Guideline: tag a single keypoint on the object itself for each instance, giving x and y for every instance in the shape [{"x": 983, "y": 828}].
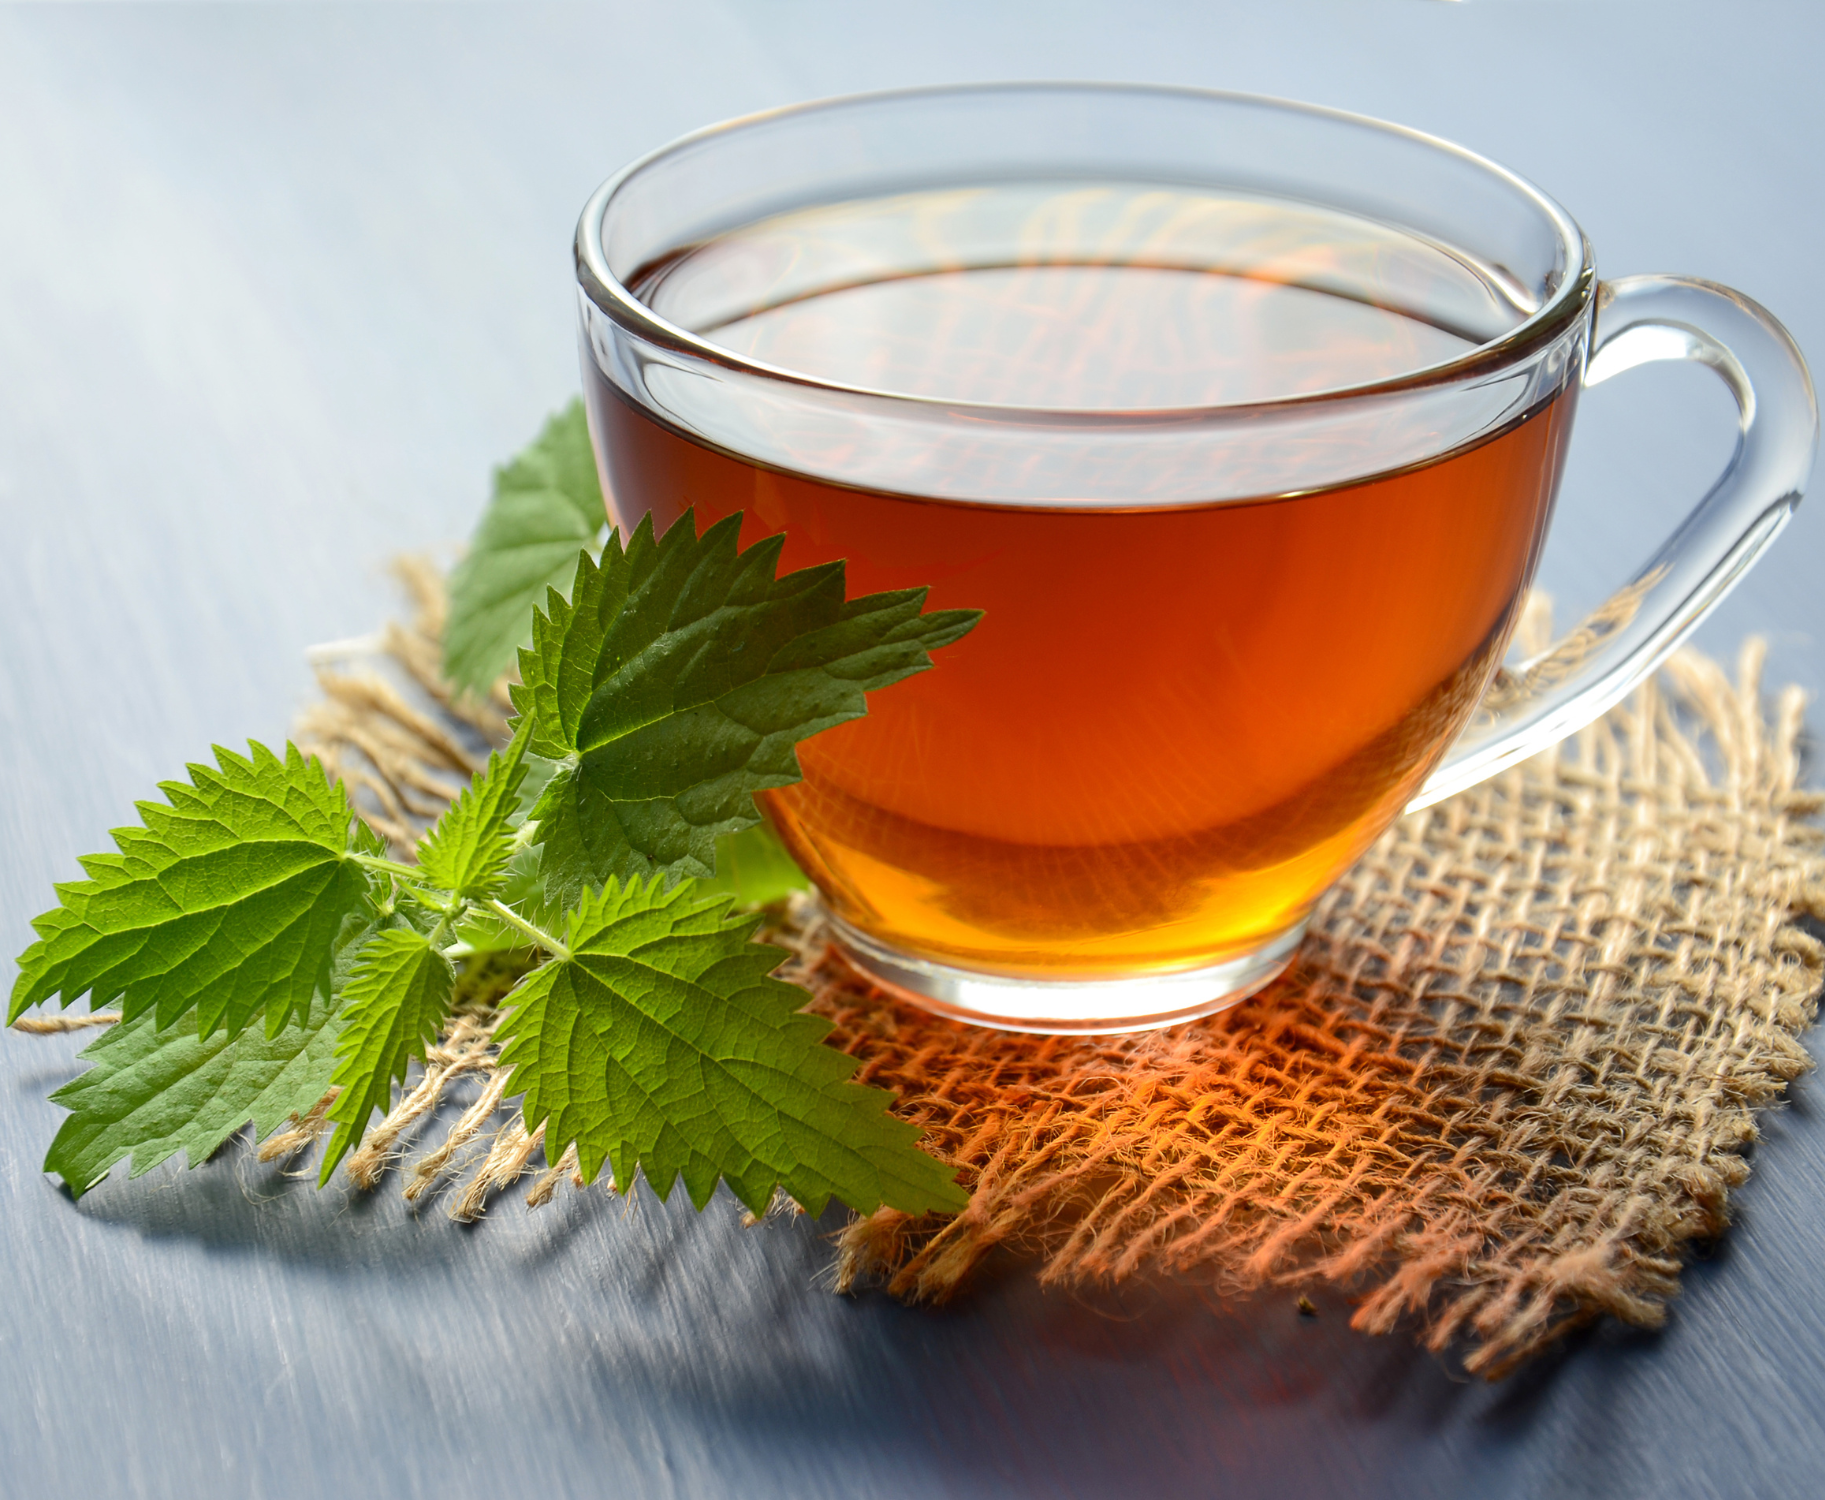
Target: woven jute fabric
[{"x": 1508, "y": 1081}]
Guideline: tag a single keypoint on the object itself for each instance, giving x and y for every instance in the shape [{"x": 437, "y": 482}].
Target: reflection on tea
[{"x": 1176, "y": 724}]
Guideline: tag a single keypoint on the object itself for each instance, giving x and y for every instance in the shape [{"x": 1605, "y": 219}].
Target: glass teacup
[{"x": 1241, "y": 419}]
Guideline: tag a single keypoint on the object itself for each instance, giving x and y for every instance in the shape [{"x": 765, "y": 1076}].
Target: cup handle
[{"x": 1640, "y": 320}]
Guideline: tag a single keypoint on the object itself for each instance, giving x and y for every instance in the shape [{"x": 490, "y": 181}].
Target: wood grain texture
[{"x": 277, "y": 286}]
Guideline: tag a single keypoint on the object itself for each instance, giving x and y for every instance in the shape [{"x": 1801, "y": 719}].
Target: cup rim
[{"x": 612, "y": 297}]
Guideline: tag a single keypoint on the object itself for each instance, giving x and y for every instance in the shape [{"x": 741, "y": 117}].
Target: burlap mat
[{"x": 1512, "y": 1075}]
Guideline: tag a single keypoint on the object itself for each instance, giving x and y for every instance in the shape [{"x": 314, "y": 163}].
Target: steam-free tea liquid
[{"x": 1177, "y": 723}]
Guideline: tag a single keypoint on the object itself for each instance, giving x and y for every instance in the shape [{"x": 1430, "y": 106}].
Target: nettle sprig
[{"x": 267, "y": 952}]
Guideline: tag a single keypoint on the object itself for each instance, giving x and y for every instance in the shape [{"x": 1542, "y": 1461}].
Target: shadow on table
[{"x": 731, "y": 1333}]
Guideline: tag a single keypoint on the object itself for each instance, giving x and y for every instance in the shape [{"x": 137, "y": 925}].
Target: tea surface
[
  {"x": 1092, "y": 297},
  {"x": 1175, "y": 726}
]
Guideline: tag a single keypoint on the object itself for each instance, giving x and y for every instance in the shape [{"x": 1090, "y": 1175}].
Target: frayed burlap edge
[{"x": 1510, "y": 1079}]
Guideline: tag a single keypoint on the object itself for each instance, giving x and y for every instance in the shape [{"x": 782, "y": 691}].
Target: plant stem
[
  {"x": 391, "y": 867},
  {"x": 513, "y": 919}
]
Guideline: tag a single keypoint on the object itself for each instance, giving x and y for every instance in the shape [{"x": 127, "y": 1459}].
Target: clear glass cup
[{"x": 1242, "y": 419}]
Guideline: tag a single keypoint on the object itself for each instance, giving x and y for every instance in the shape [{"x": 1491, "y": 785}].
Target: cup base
[{"x": 1009, "y": 1002}]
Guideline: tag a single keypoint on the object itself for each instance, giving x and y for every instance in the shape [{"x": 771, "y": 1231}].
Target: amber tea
[
  {"x": 1178, "y": 722},
  {"x": 1241, "y": 418}
]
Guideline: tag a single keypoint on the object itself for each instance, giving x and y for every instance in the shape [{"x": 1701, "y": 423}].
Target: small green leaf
[
  {"x": 396, "y": 998},
  {"x": 754, "y": 868},
  {"x": 228, "y": 900},
  {"x": 522, "y": 889},
  {"x": 677, "y": 680},
  {"x": 538, "y": 774},
  {"x": 467, "y": 852},
  {"x": 547, "y": 503},
  {"x": 150, "y": 1094},
  {"x": 663, "y": 1043},
  {"x": 364, "y": 840}
]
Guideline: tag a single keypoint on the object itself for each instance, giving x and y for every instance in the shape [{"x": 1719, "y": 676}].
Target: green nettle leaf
[
  {"x": 547, "y": 503},
  {"x": 467, "y": 852},
  {"x": 396, "y": 998},
  {"x": 227, "y": 900},
  {"x": 677, "y": 680},
  {"x": 521, "y": 887},
  {"x": 754, "y": 867},
  {"x": 150, "y": 1094},
  {"x": 671, "y": 686},
  {"x": 661, "y": 1041}
]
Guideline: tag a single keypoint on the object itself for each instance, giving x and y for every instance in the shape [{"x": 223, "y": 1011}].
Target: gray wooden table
[{"x": 277, "y": 286}]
